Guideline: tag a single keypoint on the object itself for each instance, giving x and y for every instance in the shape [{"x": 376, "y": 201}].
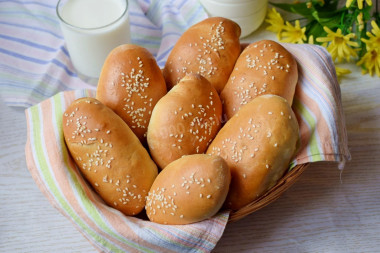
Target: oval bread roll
[
  {"x": 131, "y": 83},
  {"x": 264, "y": 67},
  {"x": 109, "y": 155},
  {"x": 257, "y": 143},
  {"x": 190, "y": 189},
  {"x": 209, "y": 48},
  {"x": 184, "y": 121}
]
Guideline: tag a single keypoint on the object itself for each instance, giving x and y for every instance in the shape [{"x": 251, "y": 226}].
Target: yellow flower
[
  {"x": 293, "y": 34},
  {"x": 276, "y": 22},
  {"x": 311, "y": 39},
  {"x": 348, "y": 3},
  {"x": 339, "y": 45},
  {"x": 360, "y": 21},
  {"x": 341, "y": 72},
  {"x": 360, "y": 3},
  {"x": 371, "y": 62},
  {"x": 374, "y": 37}
]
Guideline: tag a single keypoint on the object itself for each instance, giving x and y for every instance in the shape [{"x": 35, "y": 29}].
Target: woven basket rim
[{"x": 274, "y": 193}]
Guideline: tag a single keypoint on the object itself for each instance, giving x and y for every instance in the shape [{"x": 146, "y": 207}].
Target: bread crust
[
  {"x": 190, "y": 189},
  {"x": 109, "y": 155},
  {"x": 184, "y": 121},
  {"x": 257, "y": 143},
  {"x": 209, "y": 48},
  {"x": 130, "y": 84},
  {"x": 264, "y": 67}
]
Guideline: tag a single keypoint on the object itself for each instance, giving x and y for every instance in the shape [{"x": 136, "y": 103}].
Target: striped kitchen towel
[
  {"x": 319, "y": 112},
  {"x": 318, "y": 106},
  {"x": 35, "y": 64}
]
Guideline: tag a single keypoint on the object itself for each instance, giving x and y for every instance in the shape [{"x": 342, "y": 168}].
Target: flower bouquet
[{"x": 343, "y": 28}]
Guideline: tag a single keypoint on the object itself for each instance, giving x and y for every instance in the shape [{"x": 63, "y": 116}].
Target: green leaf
[
  {"x": 347, "y": 20},
  {"x": 316, "y": 29},
  {"x": 332, "y": 13},
  {"x": 315, "y": 15},
  {"x": 326, "y": 15},
  {"x": 331, "y": 19},
  {"x": 299, "y": 8},
  {"x": 331, "y": 23},
  {"x": 367, "y": 13},
  {"x": 362, "y": 45}
]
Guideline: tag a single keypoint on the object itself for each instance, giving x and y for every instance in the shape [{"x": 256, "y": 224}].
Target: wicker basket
[{"x": 274, "y": 193}]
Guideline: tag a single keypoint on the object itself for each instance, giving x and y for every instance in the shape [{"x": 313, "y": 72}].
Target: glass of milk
[{"x": 92, "y": 28}]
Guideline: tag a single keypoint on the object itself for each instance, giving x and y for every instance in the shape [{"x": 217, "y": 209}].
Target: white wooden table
[{"x": 325, "y": 211}]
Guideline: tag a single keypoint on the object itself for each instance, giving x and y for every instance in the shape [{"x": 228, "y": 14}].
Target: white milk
[{"x": 92, "y": 28}]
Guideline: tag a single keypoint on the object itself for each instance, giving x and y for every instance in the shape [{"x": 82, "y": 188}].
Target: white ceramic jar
[{"x": 249, "y": 14}]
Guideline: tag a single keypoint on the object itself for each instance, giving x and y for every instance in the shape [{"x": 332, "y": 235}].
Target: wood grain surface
[{"x": 325, "y": 211}]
